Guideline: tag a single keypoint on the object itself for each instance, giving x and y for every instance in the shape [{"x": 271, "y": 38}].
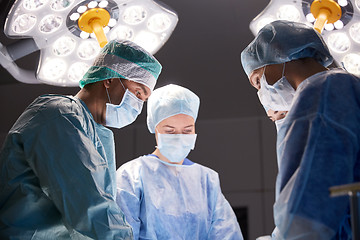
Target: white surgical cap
[
  {"x": 284, "y": 41},
  {"x": 168, "y": 101},
  {"x": 123, "y": 59}
]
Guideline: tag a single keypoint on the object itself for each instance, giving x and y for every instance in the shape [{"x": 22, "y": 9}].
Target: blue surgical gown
[
  {"x": 57, "y": 181},
  {"x": 318, "y": 147},
  {"x": 169, "y": 201}
]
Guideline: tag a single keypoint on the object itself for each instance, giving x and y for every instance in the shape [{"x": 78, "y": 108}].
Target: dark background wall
[{"x": 235, "y": 138}]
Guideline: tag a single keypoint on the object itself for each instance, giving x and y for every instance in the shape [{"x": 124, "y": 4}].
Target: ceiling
[{"x": 202, "y": 54}]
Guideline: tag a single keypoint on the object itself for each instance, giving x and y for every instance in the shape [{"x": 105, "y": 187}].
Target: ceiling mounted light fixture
[
  {"x": 70, "y": 34},
  {"x": 338, "y": 21}
]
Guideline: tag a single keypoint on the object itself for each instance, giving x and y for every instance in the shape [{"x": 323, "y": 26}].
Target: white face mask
[
  {"x": 175, "y": 147},
  {"x": 277, "y": 97},
  {"x": 125, "y": 113}
]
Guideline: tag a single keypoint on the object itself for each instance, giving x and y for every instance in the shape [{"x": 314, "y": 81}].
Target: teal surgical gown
[
  {"x": 57, "y": 178},
  {"x": 318, "y": 147},
  {"x": 169, "y": 201}
]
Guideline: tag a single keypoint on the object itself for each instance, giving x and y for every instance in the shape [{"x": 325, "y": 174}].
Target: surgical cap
[
  {"x": 168, "y": 101},
  {"x": 283, "y": 41},
  {"x": 123, "y": 59}
]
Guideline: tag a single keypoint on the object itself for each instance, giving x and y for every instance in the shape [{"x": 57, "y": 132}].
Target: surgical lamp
[
  {"x": 70, "y": 34},
  {"x": 337, "y": 21}
]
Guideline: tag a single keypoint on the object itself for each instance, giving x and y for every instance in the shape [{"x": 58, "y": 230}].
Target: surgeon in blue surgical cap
[
  {"x": 318, "y": 140},
  {"x": 164, "y": 195},
  {"x": 57, "y": 164}
]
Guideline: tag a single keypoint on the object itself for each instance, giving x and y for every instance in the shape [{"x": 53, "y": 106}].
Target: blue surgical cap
[
  {"x": 168, "y": 101},
  {"x": 123, "y": 59},
  {"x": 284, "y": 41}
]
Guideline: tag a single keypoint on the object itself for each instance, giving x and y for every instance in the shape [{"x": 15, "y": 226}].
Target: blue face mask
[
  {"x": 175, "y": 147},
  {"x": 125, "y": 113}
]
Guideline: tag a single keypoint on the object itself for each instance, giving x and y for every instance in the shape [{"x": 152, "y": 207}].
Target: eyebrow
[{"x": 168, "y": 126}]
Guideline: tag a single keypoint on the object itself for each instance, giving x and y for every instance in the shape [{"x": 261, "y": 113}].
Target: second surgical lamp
[{"x": 338, "y": 21}]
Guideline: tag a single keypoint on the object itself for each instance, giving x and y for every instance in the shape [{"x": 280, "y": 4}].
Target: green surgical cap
[
  {"x": 123, "y": 59},
  {"x": 284, "y": 41}
]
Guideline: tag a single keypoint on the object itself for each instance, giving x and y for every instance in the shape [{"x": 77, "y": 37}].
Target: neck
[
  {"x": 163, "y": 158},
  {"x": 298, "y": 70},
  {"x": 95, "y": 99}
]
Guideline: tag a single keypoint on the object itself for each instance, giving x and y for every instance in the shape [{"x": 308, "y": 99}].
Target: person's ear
[{"x": 107, "y": 83}]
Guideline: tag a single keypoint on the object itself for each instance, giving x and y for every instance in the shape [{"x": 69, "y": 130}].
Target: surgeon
[
  {"x": 57, "y": 164},
  {"x": 164, "y": 195},
  {"x": 318, "y": 140}
]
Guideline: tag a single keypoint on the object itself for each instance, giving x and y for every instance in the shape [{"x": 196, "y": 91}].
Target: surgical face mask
[
  {"x": 278, "y": 96},
  {"x": 176, "y": 147},
  {"x": 125, "y": 113}
]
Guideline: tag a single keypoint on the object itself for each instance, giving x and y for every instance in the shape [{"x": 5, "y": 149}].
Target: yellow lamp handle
[
  {"x": 322, "y": 19},
  {"x": 96, "y": 26},
  {"x": 93, "y": 21},
  {"x": 325, "y": 11}
]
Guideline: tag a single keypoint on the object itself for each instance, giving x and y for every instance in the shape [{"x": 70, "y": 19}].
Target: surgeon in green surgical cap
[{"x": 57, "y": 164}]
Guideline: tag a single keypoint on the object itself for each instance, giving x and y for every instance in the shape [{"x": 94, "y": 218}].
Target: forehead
[{"x": 177, "y": 121}]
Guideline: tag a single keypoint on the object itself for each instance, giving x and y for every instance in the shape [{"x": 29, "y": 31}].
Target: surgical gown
[
  {"x": 318, "y": 147},
  {"x": 169, "y": 201},
  {"x": 57, "y": 181}
]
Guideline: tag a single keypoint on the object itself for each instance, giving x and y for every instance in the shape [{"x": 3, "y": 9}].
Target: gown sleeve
[
  {"x": 304, "y": 207},
  {"x": 76, "y": 178},
  {"x": 224, "y": 223},
  {"x": 317, "y": 150},
  {"x": 129, "y": 192}
]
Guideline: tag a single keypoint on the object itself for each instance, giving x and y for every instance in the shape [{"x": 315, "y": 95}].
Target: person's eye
[
  {"x": 187, "y": 131},
  {"x": 168, "y": 130}
]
